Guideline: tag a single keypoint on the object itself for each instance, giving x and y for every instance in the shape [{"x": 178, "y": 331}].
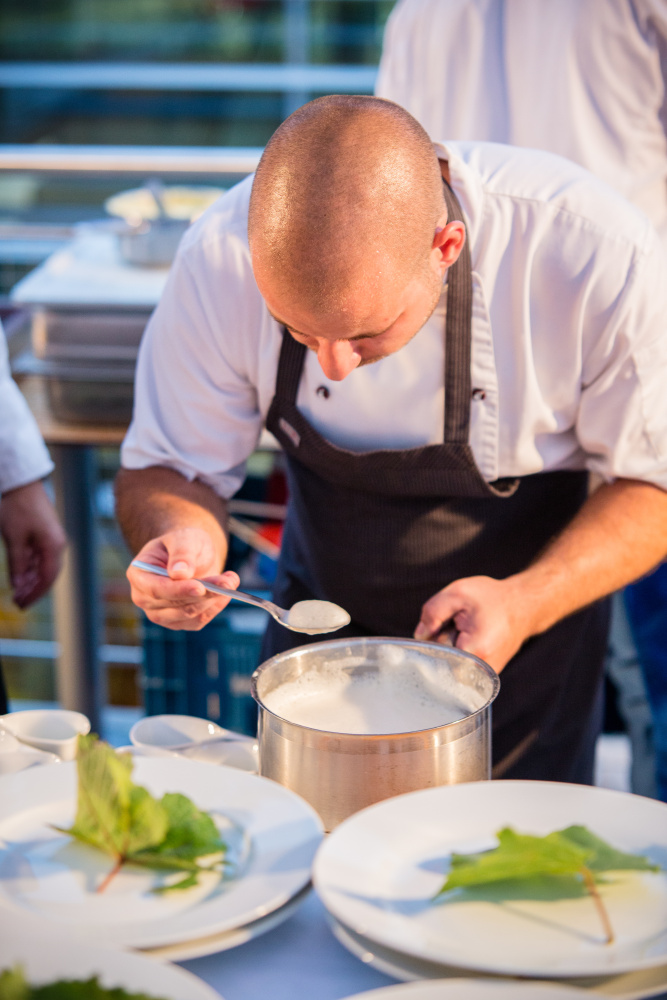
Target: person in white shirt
[
  {"x": 582, "y": 78},
  {"x": 433, "y": 478},
  {"x": 29, "y": 526}
]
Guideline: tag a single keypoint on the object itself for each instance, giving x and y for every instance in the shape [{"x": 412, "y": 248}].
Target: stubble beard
[{"x": 435, "y": 298}]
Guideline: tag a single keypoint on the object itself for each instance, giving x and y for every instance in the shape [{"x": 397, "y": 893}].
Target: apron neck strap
[
  {"x": 458, "y": 332},
  {"x": 290, "y": 366},
  {"x": 458, "y": 339}
]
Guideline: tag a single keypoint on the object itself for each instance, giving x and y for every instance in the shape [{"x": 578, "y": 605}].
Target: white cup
[
  {"x": 55, "y": 730},
  {"x": 159, "y": 734},
  {"x": 16, "y": 756}
]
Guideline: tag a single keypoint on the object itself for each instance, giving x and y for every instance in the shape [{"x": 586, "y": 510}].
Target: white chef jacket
[
  {"x": 23, "y": 454},
  {"x": 569, "y": 354},
  {"x": 581, "y": 78}
]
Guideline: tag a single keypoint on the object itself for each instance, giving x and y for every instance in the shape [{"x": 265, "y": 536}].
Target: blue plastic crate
[{"x": 205, "y": 673}]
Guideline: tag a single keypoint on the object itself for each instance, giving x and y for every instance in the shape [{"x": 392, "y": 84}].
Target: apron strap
[
  {"x": 458, "y": 342},
  {"x": 290, "y": 366}
]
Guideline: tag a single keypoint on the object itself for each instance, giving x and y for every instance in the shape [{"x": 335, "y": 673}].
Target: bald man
[{"x": 445, "y": 340}]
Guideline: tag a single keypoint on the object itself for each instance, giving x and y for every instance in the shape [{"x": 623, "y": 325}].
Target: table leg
[{"x": 76, "y": 601}]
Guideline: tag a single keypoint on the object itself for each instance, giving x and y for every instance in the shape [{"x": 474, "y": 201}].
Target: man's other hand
[
  {"x": 34, "y": 539},
  {"x": 485, "y": 614},
  {"x": 619, "y": 534},
  {"x": 180, "y": 602}
]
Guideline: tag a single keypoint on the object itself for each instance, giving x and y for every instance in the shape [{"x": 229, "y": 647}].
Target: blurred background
[
  {"x": 75, "y": 74},
  {"x": 85, "y": 84},
  {"x": 187, "y": 73}
]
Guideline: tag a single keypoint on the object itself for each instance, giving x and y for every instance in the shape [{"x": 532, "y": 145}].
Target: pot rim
[{"x": 421, "y": 645}]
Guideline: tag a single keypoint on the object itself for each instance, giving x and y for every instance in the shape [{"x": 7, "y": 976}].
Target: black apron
[{"x": 381, "y": 532}]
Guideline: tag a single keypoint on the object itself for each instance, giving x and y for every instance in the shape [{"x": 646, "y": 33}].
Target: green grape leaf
[
  {"x": 112, "y": 813},
  {"x": 517, "y": 856},
  {"x": 15, "y": 986},
  {"x": 566, "y": 860},
  {"x": 90, "y": 989},
  {"x": 191, "y": 833},
  {"x": 604, "y": 857},
  {"x": 185, "y": 883},
  {"x": 125, "y": 821}
]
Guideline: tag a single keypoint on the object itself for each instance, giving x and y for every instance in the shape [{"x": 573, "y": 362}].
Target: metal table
[
  {"x": 300, "y": 958},
  {"x": 77, "y": 614},
  {"x": 89, "y": 277},
  {"x": 303, "y": 958}
]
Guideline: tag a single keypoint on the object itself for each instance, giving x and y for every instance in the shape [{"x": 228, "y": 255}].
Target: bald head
[{"x": 344, "y": 203}]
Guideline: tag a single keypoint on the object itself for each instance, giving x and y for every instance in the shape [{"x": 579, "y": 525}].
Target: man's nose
[{"x": 337, "y": 358}]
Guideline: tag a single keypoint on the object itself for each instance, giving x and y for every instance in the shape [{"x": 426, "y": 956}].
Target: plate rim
[
  {"x": 125, "y": 935},
  {"x": 228, "y": 940},
  {"x": 388, "y": 939},
  {"x": 347, "y": 938},
  {"x": 412, "y": 988},
  {"x": 79, "y": 962}
]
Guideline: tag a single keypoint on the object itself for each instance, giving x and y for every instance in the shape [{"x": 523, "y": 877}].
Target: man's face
[
  {"x": 343, "y": 343},
  {"x": 367, "y": 328}
]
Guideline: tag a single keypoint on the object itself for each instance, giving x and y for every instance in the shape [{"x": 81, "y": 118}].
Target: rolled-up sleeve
[{"x": 23, "y": 455}]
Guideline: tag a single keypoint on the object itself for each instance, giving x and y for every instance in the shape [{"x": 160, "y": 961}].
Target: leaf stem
[
  {"x": 112, "y": 874},
  {"x": 599, "y": 905}
]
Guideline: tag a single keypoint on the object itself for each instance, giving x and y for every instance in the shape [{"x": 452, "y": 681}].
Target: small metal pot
[
  {"x": 340, "y": 773},
  {"x": 153, "y": 243}
]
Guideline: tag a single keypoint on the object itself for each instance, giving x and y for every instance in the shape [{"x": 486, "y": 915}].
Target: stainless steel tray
[
  {"x": 84, "y": 391},
  {"x": 70, "y": 333}
]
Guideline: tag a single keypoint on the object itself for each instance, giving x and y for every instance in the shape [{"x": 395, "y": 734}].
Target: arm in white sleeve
[
  {"x": 23, "y": 454},
  {"x": 622, "y": 420},
  {"x": 29, "y": 527},
  {"x": 196, "y": 408}
]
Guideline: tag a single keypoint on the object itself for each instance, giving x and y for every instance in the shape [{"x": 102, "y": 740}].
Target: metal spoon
[
  {"x": 156, "y": 189},
  {"x": 311, "y": 617},
  {"x": 197, "y": 744}
]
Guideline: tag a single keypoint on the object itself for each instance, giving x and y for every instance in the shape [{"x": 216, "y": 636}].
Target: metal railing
[
  {"x": 30, "y": 242},
  {"x": 48, "y": 649},
  {"x": 130, "y": 159},
  {"x": 281, "y": 77}
]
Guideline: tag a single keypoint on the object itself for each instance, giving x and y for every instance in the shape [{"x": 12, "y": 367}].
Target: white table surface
[
  {"x": 299, "y": 959},
  {"x": 89, "y": 272},
  {"x": 89, "y": 276}
]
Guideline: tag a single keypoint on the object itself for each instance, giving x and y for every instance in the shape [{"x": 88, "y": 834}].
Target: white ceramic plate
[
  {"x": 16, "y": 756},
  {"x": 626, "y": 986},
  {"x": 47, "y": 873},
  {"x": 379, "y": 871},
  {"x": 214, "y": 943},
  {"x": 158, "y": 734},
  {"x": 472, "y": 989},
  {"x": 47, "y": 954},
  {"x": 54, "y": 730}
]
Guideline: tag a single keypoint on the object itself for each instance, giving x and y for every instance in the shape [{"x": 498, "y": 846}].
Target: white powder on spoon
[{"x": 320, "y": 616}]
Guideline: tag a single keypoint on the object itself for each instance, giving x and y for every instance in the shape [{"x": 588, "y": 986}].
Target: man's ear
[{"x": 448, "y": 243}]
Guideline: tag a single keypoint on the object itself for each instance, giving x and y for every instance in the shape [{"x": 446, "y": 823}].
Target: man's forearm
[
  {"x": 151, "y": 502},
  {"x": 618, "y": 535}
]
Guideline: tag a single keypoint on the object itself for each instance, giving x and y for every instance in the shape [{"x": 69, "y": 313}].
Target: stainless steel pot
[
  {"x": 340, "y": 773},
  {"x": 153, "y": 243}
]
